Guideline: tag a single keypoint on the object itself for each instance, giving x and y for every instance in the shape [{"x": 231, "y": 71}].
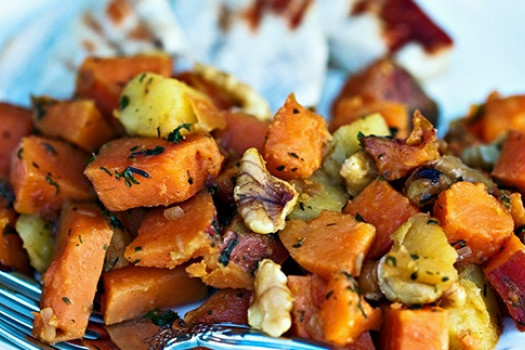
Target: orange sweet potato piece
[
  {"x": 45, "y": 173},
  {"x": 133, "y": 291},
  {"x": 332, "y": 234},
  {"x": 350, "y": 109},
  {"x": 510, "y": 167},
  {"x": 295, "y": 141},
  {"x": 234, "y": 263},
  {"x": 102, "y": 79},
  {"x": 308, "y": 294},
  {"x": 473, "y": 219},
  {"x": 517, "y": 210},
  {"x": 396, "y": 158},
  {"x": 242, "y": 131},
  {"x": 71, "y": 281},
  {"x": 345, "y": 314},
  {"x": 78, "y": 122},
  {"x": 12, "y": 253},
  {"x": 15, "y": 123},
  {"x": 226, "y": 305},
  {"x": 497, "y": 116},
  {"x": 404, "y": 329},
  {"x": 134, "y": 172},
  {"x": 169, "y": 237},
  {"x": 506, "y": 274},
  {"x": 384, "y": 80},
  {"x": 382, "y": 206}
]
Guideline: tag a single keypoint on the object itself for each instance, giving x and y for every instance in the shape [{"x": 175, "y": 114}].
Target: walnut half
[{"x": 263, "y": 201}]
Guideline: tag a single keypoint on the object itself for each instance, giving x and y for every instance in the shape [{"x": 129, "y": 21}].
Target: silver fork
[{"x": 20, "y": 295}]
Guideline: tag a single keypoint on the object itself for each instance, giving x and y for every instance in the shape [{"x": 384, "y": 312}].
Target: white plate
[{"x": 489, "y": 54}]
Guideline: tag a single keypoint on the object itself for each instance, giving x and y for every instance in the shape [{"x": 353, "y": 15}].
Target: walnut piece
[
  {"x": 271, "y": 301},
  {"x": 263, "y": 201}
]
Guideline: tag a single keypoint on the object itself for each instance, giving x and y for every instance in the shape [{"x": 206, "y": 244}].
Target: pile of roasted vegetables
[{"x": 146, "y": 188}]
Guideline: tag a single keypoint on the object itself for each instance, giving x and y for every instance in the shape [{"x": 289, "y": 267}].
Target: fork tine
[
  {"x": 21, "y": 283},
  {"x": 24, "y": 325},
  {"x": 24, "y": 306},
  {"x": 15, "y": 337}
]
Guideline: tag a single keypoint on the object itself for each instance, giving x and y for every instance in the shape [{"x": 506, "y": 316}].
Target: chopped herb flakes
[
  {"x": 299, "y": 243},
  {"x": 505, "y": 199},
  {"x": 50, "y": 181},
  {"x": 434, "y": 222},
  {"x": 66, "y": 300},
  {"x": 359, "y": 218},
  {"x": 163, "y": 318},
  {"x": 147, "y": 152},
  {"x": 175, "y": 136},
  {"x": 138, "y": 249},
  {"x": 19, "y": 153},
  {"x": 280, "y": 168},
  {"x": 49, "y": 148},
  {"x": 413, "y": 276},
  {"x": 226, "y": 253},
  {"x": 104, "y": 169},
  {"x": 124, "y": 102},
  {"x": 329, "y": 294},
  {"x": 128, "y": 175},
  {"x": 391, "y": 261}
]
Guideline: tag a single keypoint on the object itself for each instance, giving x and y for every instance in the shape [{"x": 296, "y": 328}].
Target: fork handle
[{"x": 240, "y": 338}]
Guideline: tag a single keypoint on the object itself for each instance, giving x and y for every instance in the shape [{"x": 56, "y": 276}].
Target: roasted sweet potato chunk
[
  {"x": 102, "y": 79},
  {"x": 345, "y": 314},
  {"x": 351, "y": 109},
  {"x": 239, "y": 253},
  {"x": 133, "y": 291},
  {"x": 496, "y": 116},
  {"x": 226, "y": 305},
  {"x": 510, "y": 167},
  {"x": 12, "y": 254},
  {"x": 45, "y": 173},
  {"x": 71, "y": 281},
  {"x": 78, "y": 122},
  {"x": 15, "y": 123},
  {"x": 383, "y": 80},
  {"x": 242, "y": 131},
  {"x": 425, "y": 328},
  {"x": 171, "y": 236},
  {"x": 395, "y": 158},
  {"x": 295, "y": 141},
  {"x": 382, "y": 206},
  {"x": 473, "y": 221},
  {"x": 506, "y": 274},
  {"x": 134, "y": 172},
  {"x": 329, "y": 243}
]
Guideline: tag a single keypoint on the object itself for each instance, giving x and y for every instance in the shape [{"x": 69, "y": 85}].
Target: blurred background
[{"x": 303, "y": 46}]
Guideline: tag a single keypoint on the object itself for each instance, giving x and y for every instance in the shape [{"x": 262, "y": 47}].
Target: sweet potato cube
[
  {"x": 510, "y": 167},
  {"x": 102, "y": 79},
  {"x": 506, "y": 274},
  {"x": 242, "y": 131},
  {"x": 395, "y": 158},
  {"x": 473, "y": 218},
  {"x": 295, "y": 141},
  {"x": 145, "y": 172},
  {"x": 169, "y": 237},
  {"x": 133, "y": 291},
  {"x": 382, "y": 206},
  {"x": 12, "y": 253},
  {"x": 497, "y": 116},
  {"x": 15, "y": 123},
  {"x": 425, "y": 328},
  {"x": 45, "y": 173},
  {"x": 234, "y": 263},
  {"x": 384, "y": 80},
  {"x": 71, "y": 281},
  {"x": 78, "y": 122},
  {"x": 226, "y": 305},
  {"x": 345, "y": 314},
  {"x": 308, "y": 294},
  {"x": 329, "y": 243},
  {"x": 351, "y": 109}
]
